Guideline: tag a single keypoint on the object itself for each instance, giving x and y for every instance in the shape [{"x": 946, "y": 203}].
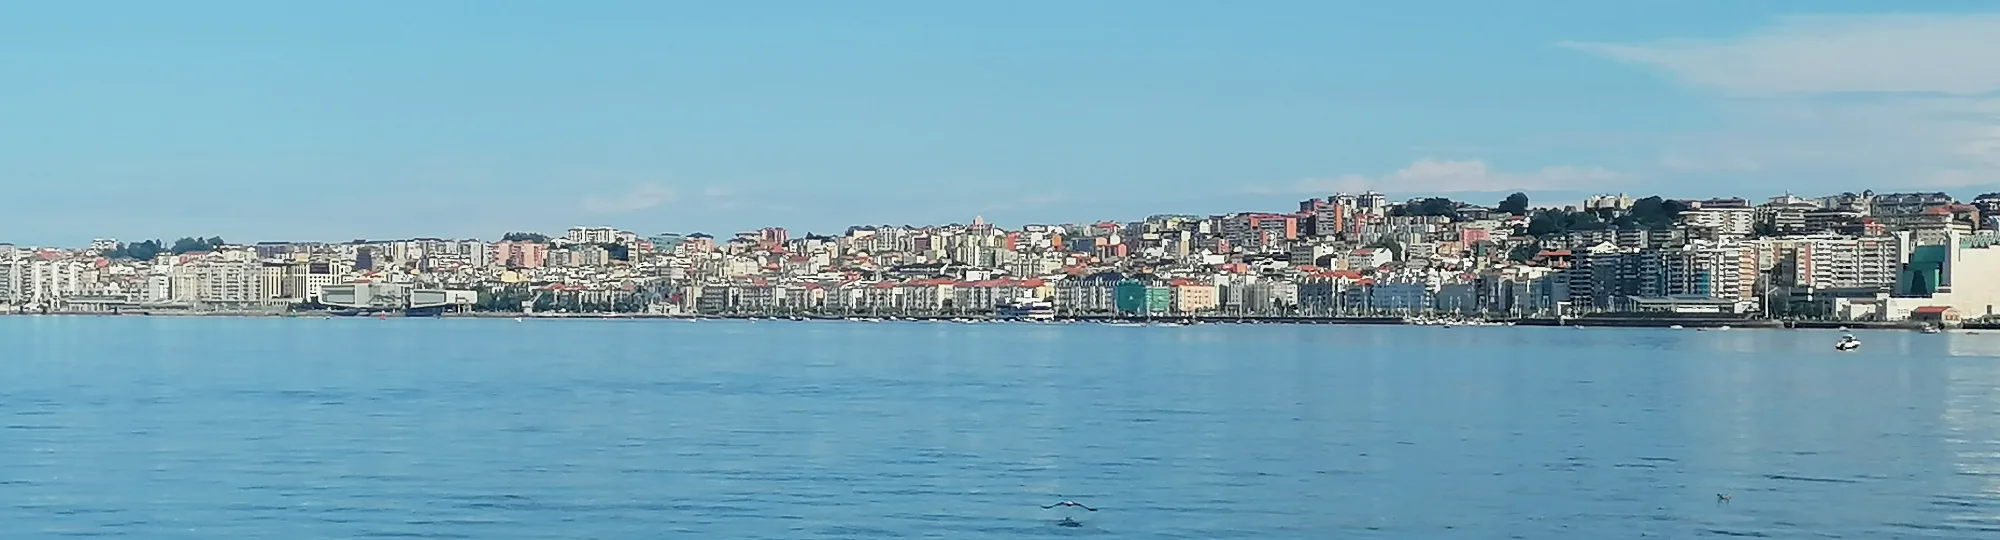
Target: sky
[{"x": 257, "y": 120}]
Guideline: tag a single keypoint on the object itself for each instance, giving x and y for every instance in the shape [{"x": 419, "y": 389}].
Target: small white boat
[
  {"x": 517, "y": 319},
  {"x": 1930, "y": 330},
  {"x": 1847, "y": 343},
  {"x": 1676, "y": 327}
]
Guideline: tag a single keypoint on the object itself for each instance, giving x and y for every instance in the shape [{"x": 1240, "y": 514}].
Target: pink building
[
  {"x": 1468, "y": 237},
  {"x": 520, "y": 254},
  {"x": 773, "y": 235}
]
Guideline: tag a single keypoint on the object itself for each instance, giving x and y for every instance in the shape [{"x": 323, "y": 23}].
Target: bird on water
[{"x": 1721, "y": 498}]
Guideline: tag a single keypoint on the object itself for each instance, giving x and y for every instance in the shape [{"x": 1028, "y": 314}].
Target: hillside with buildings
[{"x": 1862, "y": 257}]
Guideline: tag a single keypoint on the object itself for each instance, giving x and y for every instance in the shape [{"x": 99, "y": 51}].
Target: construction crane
[{"x": 528, "y": 306}]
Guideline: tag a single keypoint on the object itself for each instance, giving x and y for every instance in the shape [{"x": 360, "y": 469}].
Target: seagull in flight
[
  {"x": 1720, "y": 498},
  {"x": 1069, "y": 503}
]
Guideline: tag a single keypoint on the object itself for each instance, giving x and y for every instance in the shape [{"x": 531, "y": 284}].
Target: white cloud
[
  {"x": 1455, "y": 176},
  {"x": 1944, "y": 54},
  {"x": 641, "y": 197},
  {"x": 1890, "y": 101}
]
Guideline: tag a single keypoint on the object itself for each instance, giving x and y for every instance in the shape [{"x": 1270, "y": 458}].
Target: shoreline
[{"x": 1581, "y": 322}]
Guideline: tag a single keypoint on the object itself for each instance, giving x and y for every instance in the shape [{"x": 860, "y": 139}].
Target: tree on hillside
[
  {"x": 189, "y": 244},
  {"x": 1557, "y": 221},
  {"x": 1654, "y": 213},
  {"x": 1434, "y": 206},
  {"x": 138, "y": 251},
  {"x": 524, "y": 237},
  {"x": 1523, "y": 252},
  {"x": 1516, "y": 204}
]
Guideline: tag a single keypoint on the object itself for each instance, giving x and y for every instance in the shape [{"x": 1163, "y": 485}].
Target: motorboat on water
[
  {"x": 1930, "y": 329},
  {"x": 1847, "y": 343}
]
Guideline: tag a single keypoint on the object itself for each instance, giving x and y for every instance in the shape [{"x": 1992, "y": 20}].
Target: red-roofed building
[{"x": 1936, "y": 315}]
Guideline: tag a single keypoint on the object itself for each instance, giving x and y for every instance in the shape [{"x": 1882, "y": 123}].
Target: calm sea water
[{"x": 165, "y": 428}]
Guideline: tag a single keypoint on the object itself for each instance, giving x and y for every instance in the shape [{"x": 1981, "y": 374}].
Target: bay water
[{"x": 203, "y": 428}]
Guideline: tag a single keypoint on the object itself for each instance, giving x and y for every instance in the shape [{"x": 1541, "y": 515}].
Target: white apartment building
[
  {"x": 1368, "y": 258},
  {"x": 49, "y": 280},
  {"x": 227, "y": 281},
  {"x": 159, "y": 287},
  {"x": 1721, "y": 224},
  {"x": 1608, "y": 202},
  {"x": 10, "y": 276},
  {"x": 1827, "y": 261},
  {"x": 600, "y": 235}
]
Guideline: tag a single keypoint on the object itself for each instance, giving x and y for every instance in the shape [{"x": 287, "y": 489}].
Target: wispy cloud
[
  {"x": 1943, "y": 54},
  {"x": 1909, "y": 100},
  {"x": 641, "y": 197},
  {"x": 1454, "y": 176}
]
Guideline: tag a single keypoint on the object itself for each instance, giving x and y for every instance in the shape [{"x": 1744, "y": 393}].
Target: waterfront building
[
  {"x": 223, "y": 281},
  {"x": 1400, "y": 295},
  {"x": 10, "y": 276},
  {"x": 1087, "y": 294},
  {"x": 1193, "y": 297},
  {"x": 1135, "y": 297},
  {"x": 1828, "y": 261},
  {"x": 1959, "y": 273}
]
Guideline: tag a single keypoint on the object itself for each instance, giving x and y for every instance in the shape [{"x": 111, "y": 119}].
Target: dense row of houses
[{"x": 1847, "y": 255}]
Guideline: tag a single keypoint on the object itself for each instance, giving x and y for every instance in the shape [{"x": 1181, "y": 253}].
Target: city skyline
[
  {"x": 1580, "y": 203},
  {"x": 246, "y": 120},
  {"x": 1879, "y": 257}
]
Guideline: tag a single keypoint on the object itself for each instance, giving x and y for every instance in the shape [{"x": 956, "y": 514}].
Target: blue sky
[{"x": 378, "y": 119}]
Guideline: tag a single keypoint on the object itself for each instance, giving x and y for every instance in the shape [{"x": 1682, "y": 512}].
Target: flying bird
[
  {"x": 1070, "y": 504},
  {"x": 1721, "y": 498}
]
